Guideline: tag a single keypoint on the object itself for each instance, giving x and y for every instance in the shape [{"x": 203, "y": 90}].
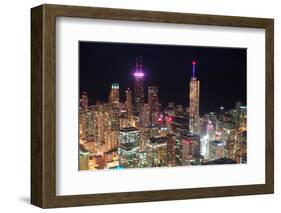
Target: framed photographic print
[{"x": 137, "y": 106}]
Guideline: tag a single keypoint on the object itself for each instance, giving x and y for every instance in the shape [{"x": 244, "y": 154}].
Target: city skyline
[
  {"x": 144, "y": 129},
  {"x": 223, "y": 71}
]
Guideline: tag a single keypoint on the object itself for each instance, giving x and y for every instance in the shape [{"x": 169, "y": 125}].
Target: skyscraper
[
  {"x": 139, "y": 88},
  {"x": 153, "y": 102},
  {"x": 216, "y": 150},
  {"x": 156, "y": 149},
  {"x": 114, "y": 116},
  {"x": 129, "y": 102},
  {"x": 114, "y": 94},
  {"x": 145, "y": 116},
  {"x": 190, "y": 149},
  {"x": 153, "y": 98},
  {"x": 171, "y": 150},
  {"x": 194, "y": 92},
  {"x": 128, "y": 147},
  {"x": 205, "y": 146},
  {"x": 84, "y": 116},
  {"x": 84, "y": 101}
]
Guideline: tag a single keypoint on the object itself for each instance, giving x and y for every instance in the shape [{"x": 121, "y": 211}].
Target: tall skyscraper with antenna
[
  {"x": 139, "y": 89},
  {"x": 194, "y": 93}
]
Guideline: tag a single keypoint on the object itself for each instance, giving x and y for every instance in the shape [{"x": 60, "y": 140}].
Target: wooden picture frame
[{"x": 43, "y": 105}]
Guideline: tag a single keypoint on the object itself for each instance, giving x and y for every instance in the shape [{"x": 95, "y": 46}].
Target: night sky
[{"x": 221, "y": 71}]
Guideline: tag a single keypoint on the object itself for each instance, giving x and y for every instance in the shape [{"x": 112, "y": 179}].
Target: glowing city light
[
  {"x": 187, "y": 141},
  {"x": 169, "y": 118},
  {"x": 206, "y": 137},
  {"x": 218, "y": 133},
  {"x": 115, "y": 86},
  {"x": 138, "y": 74},
  {"x": 119, "y": 167}
]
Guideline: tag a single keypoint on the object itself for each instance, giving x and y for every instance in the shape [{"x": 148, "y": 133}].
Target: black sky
[{"x": 221, "y": 71}]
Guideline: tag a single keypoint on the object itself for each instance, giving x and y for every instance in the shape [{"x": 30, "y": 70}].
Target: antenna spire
[
  {"x": 137, "y": 64},
  {"x": 193, "y": 68},
  {"x": 140, "y": 66}
]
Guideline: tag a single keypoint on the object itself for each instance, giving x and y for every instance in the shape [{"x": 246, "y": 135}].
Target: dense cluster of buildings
[{"x": 139, "y": 134}]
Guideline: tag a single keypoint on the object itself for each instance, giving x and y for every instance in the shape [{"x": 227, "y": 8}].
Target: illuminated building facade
[
  {"x": 156, "y": 150},
  {"x": 180, "y": 124},
  {"x": 153, "y": 102},
  {"x": 171, "y": 150},
  {"x": 190, "y": 149},
  {"x": 113, "y": 97},
  {"x": 139, "y": 87},
  {"x": 145, "y": 115},
  {"x": 216, "y": 150},
  {"x": 204, "y": 147},
  {"x": 83, "y": 116},
  {"x": 145, "y": 134},
  {"x": 129, "y": 102},
  {"x": 153, "y": 98},
  {"x": 114, "y": 114},
  {"x": 90, "y": 123},
  {"x": 111, "y": 159},
  {"x": 194, "y": 92},
  {"x": 128, "y": 147},
  {"x": 83, "y": 159},
  {"x": 84, "y": 101}
]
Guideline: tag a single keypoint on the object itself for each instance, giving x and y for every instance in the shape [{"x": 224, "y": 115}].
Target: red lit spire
[{"x": 193, "y": 68}]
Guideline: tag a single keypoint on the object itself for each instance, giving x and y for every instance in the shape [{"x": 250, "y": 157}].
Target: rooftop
[
  {"x": 127, "y": 146},
  {"x": 129, "y": 129},
  {"x": 217, "y": 142},
  {"x": 158, "y": 140}
]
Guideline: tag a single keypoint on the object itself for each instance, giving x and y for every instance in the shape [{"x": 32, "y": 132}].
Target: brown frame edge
[{"x": 43, "y": 105}]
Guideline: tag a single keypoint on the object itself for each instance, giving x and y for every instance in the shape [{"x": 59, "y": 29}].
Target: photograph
[
  {"x": 151, "y": 105},
  {"x": 140, "y": 105}
]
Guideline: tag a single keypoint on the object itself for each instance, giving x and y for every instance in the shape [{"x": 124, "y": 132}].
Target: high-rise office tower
[
  {"x": 129, "y": 102},
  {"x": 102, "y": 123},
  {"x": 114, "y": 109},
  {"x": 114, "y": 118},
  {"x": 153, "y": 102},
  {"x": 114, "y": 94},
  {"x": 190, "y": 149},
  {"x": 171, "y": 150},
  {"x": 139, "y": 88},
  {"x": 156, "y": 149},
  {"x": 216, "y": 150},
  {"x": 153, "y": 98},
  {"x": 204, "y": 147},
  {"x": 145, "y": 115},
  {"x": 84, "y": 116},
  {"x": 194, "y": 92},
  {"x": 84, "y": 101},
  {"x": 128, "y": 147}
]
